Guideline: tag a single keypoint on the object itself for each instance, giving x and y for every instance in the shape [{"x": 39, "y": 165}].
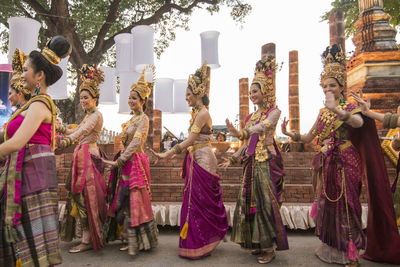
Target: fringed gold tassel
[
  {"x": 74, "y": 211},
  {"x": 184, "y": 231},
  {"x": 18, "y": 263}
]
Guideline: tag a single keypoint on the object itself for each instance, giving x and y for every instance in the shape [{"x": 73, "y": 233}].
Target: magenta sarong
[{"x": 207, "y": 219}]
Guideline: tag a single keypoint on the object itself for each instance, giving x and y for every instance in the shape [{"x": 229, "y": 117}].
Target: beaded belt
[{"x": 197, "y": 146}]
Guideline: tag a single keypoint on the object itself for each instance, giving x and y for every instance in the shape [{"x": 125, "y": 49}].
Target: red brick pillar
[
  {"x": 157, "y": 129},
  {"x": 336, "y": 29},
  {"x": 243, "y": 101},
  {"x": 149, "y": 113},
  {"x": 294, "y": 107}
]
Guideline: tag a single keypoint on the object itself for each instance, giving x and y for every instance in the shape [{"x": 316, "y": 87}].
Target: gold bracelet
[
  {"x": 243, "y": 134},
  {"x": 345, "y": 117},
  {"x": 177, "y": 149},
  {"x": 232, "y": 160},
  {"x": 120, "y": 163},
  {"x": 393, "y": 121},
  {"x": 296, "y": 137},
  {"x": 386, "y": 120}
]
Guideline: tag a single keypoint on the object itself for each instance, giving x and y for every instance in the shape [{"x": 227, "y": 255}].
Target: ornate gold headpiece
[
  {"x": 17, "y": 66},
  {"x": 51, "y": 56},
  {"x": 263, "y": 76},
  {"x": 334, "y": 61},
  {"x": 198, "y": 81},
  {"x": 143, "y": 87},
  {"x": 91, "y": 77}
]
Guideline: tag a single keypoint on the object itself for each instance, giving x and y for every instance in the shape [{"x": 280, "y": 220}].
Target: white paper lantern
[
  {"x": 23, "y": 35},
  {"x": 209, "y": 48},
  {"x": 180, "y": 104},
  {"x": 126, "y": 79},
  {"x": 163, "y": 94},
  {"x": 123, "y": 43},
  {"x": 142, "y": 47},
  {"x": 108, "y": 89},
  {"x": 59, "y": 90}
]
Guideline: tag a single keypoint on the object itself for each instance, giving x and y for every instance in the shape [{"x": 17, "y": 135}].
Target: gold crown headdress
[
  {"x": 51, "y": 56},
  {"x": 143, "y": 87},
  {"x": 334, "y": 61},
  {"x": 91, "y": 77},
  {"x": 263, "y": 75},
  {"x": 17, "y": 66},
  {"x": 198, "y": 81}
]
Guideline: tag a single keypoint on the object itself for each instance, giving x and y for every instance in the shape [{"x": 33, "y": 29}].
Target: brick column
[
  {"x": 243, "y": 101},
  {"x": 336, "y": 29},
  {"x": 294, "y": 107},
  {"x": 157, "y": 129},
  {"x": 149, "y": 113}
]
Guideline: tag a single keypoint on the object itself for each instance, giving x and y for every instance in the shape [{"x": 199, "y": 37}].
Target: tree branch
[
  {"x": 40, "y": 10},
  {"x": 111, "y": 17},
  {"x": 27, "y": 14}
]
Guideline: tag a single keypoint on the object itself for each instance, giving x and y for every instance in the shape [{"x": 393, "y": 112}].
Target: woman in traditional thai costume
[
  {"x": 392, "y": 122},
  {"x": 86, "y": 185},
  {"x": 257, "y": 223},
  {"x": 348, "y": 143},
  {"x": 203, "y": 217},
  {"x": 18, "y": 95},
  {"x": 129, "y": 195},
  {"x": 28, "y": 186}
]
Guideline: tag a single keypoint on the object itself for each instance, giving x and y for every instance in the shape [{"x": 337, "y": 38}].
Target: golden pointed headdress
[
  {"x": 91, "y": 77},
  {"x": 334, "y": 61},
  {"x": 198, "y": 81},
  {"x": 143, "y": 87},
  {"x": 17, "y": 66},
  {"x": 263, "y": 76}
]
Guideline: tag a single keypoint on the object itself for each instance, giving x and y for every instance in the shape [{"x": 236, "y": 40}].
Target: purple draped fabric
[{"x": 207, "y": 216}]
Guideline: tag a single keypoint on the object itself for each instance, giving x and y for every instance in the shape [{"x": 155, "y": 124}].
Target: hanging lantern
[
  {"x": 209, "y": 48},
  {"x": 126, "y": 79},
  {"x": 142, "y": 47},
  {"x": 180, "y": 104},
  {"x": 108, "y": 89},
  {"x": 163, "y": 94},
  {"x": 23, "y": 34},
  {"x": 123, "y": 43},
  {"x": 59, "y": 89}
]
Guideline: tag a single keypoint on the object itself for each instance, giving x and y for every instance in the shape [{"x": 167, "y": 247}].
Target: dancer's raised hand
[
  {"x": 225, "y": 163},
  {"x": 231, "y": 129},
  {"x": 284, "y": 125},
  {"x": 364, "y": 105}
]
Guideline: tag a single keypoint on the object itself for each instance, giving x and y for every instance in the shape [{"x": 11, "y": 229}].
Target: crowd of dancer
[{"x": 119, "y": 207}]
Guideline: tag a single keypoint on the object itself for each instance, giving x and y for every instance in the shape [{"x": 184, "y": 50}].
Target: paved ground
[{"x": 301, "y": 253}]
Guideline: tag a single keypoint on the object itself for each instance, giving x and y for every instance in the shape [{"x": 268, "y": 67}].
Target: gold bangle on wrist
[
  {"x": 296, "y": 137},
  {"x": 177, "y": 149},
  {"x": 386, "y": 120},
  {"x": 244, "y": 134}
]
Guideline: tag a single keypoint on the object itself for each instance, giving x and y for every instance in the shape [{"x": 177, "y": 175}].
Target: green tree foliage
[
  {"x": 350, "y": 10},
  {"x": 90, "y": 25}
]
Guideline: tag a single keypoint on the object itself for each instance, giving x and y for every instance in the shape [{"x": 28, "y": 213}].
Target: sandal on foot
[
  {"x": 124, "y": 248},
  {"x": 352, "y": 264},
  {"x": 80, "y": 248},
  {"x": 266, "y": 258},
  {"x": 255, "y": 251}
]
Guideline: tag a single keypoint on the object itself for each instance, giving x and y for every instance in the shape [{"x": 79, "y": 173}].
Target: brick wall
[{"x": 167, "y": 184}]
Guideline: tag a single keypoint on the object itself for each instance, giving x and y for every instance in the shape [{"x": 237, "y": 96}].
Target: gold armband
[
  {"x": 138, "y": 135},
  {"x": 177, "y": 149},
  {"x": 296, "y": 137},
  {"x": 195, "y": 129},
  {"x": 244, "y": 134},
  {"x": 66, "y": 142},
  {"x": 393, "y": 121},
  {"x": 386, "y": 120}
]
